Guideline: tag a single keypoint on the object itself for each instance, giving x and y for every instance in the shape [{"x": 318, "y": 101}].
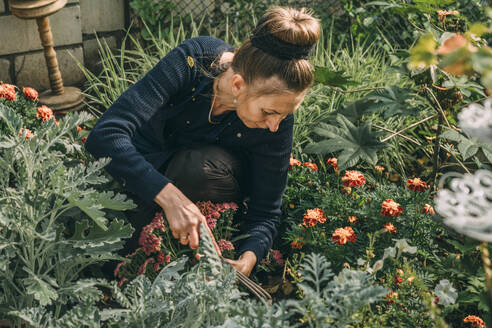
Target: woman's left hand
[{"x": 245, "y": 263}]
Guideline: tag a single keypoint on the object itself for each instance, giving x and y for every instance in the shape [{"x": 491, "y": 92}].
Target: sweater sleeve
[
  {"x": 269, "y": 164},
  {"x": 112, "y": 135}
]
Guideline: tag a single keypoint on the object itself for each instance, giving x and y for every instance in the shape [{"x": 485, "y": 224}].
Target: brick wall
[{"x": 74, "y": 27}]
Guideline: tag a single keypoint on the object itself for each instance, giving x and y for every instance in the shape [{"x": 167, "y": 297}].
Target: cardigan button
[
  {"x": 193, "y": 89},
  {"x": 239, "y": 135},
  {"x": 188, "y": 122},
  {"x": 193, "y": 98}
]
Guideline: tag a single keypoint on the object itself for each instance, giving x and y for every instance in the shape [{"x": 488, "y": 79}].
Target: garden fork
[{"x": 253, "y": 287}]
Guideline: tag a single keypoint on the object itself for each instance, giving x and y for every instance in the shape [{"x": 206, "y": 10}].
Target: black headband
[{"x": 279, "y": 48}]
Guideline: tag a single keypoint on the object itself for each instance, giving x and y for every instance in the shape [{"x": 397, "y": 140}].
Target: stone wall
[{"x": 74, "y": 31}]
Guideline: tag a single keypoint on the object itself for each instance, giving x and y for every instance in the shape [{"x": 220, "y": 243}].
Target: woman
[{"x": 210, "y": 122}]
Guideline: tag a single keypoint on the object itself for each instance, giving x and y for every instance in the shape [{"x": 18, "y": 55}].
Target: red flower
[
  {"x": 143, "y": 268},
  {"x": 353, "y": 179},
  {"x": 391, "y": 208},
  {"x": 333, "y": 162},
  {"x": 8, "y": 92},
  {"x": 277, "y": 256},
  {"x": 428, "y": 209},
  {"x": 342, "y": 235},
  {"x": 148, "y": 240},
  {"x": 161, "y": 258},
  {"x": 398, "y": 280},
  {"x": 44, "y": 113},
  {"x": 475, "y": 321},
  {"x": 417, "y": 185},
  {"x": 293, "y": 162},
  {"x": 312, "y": 217},
  {"x": 83, "y": 140},
  {"x": 379, "y": 168},
  {"x": 30, "y": 93},
  {"x": 225, "y": 245},
  {"x": 297, "y": 244},
  {"x": 28, "y": 132},
  {"x": 312, "y": 166},
  {"x": 390, "y": 228}
]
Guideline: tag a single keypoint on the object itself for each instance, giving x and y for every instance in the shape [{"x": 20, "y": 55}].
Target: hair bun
[{"x": 294, "y": 26}]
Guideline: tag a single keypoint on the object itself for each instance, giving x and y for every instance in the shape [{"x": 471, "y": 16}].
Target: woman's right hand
[{"x": 183, "y": 216}]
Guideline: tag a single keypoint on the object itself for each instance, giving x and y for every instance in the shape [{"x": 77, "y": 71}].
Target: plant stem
[
  {"x": 437, "y": 146},
  {"x": 488, "y": 273},
  {"x": 408, "y": 127},
  {"x": 456, "y": 158},
  {"x": 399, "y": 134},
  {"x": 353, "y": 91},
  {"x": 440, "y": 110}
]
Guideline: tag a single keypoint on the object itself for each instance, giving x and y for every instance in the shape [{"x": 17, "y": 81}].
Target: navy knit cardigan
[{"x": 168, "y": 109}]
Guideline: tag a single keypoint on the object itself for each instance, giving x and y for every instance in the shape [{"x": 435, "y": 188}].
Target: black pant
[{"x": 207, "y": 173}]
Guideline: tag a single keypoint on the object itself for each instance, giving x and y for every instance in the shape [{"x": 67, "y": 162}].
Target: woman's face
[{"x": 267, "y": 111}]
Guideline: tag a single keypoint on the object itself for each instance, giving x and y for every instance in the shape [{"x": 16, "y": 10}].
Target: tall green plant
[{"x": 53, "y": 222}]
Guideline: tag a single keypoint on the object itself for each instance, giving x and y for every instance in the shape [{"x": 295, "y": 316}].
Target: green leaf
[
  {"x": 355, "y": 142},
  {"x": 467, "y": 148},
  {"x": 93, "y": 203},
  {"x": 392, "y": 101},
  {"x": 41, "y": 290},
  {"x": 97, "y": 239},
  {"x": 332, "y": 78},
  {"x": 87, "y": 206},
  {"x": 355, "y": 110}
]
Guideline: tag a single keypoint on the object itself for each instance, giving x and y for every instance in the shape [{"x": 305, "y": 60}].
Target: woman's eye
[{"x": 267, "y": 113}]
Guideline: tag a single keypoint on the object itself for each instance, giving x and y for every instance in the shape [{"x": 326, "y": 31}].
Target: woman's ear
[{"x": 238, "y": 84}]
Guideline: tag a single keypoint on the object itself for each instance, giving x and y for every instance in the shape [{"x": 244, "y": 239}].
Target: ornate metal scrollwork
[
  {"x": 467, "y": 205},
  {"x": 476, "y": 120}
]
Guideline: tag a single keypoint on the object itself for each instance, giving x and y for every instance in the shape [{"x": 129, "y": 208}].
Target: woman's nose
[{"x": 273, "y": 124}]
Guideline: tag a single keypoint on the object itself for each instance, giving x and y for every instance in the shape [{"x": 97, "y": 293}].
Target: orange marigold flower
[
  {"x": 312, "y": 166},
  {"x": 352, "y": 219},
  {"x": 333, "y": 162},
  {"x": 390, "y": 228},
  {"x": 79, "y": 128},
  {"x": 7, "y": 91},
  {"x": 379, "y": 168},
  {"x": 293, "y": 162},
  {"x": 28, "y": 132},
  {"x": 30, "y": 93},
  {"x": 475, "y": 321},
  {"x": 44, "y": 113},
  {"x": 399, "y": 272},
  {"x": 312, "y": 217},
  {"x": 391, "y": 208},
  {"x": 353, "y": 179},
  {"x": 297, "y": 244},
  {"x": 342, "y": 235},
  {"x": 428, "y": 209},
  {"x": 417, "y": 185}
]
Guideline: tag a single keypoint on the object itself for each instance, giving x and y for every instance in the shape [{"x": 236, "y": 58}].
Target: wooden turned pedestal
[{"x": 59, "y": 98}]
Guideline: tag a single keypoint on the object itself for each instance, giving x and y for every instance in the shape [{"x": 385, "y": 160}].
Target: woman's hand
[
  {"x": 183, "y": 216},
  {"x": 245, "y": 263}
]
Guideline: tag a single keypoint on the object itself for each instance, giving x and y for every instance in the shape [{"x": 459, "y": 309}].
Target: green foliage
[
  {"x": 356, "y": 143},
  {"x": 469, "y": 147},
  {"x": 43, "y": 187}
]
